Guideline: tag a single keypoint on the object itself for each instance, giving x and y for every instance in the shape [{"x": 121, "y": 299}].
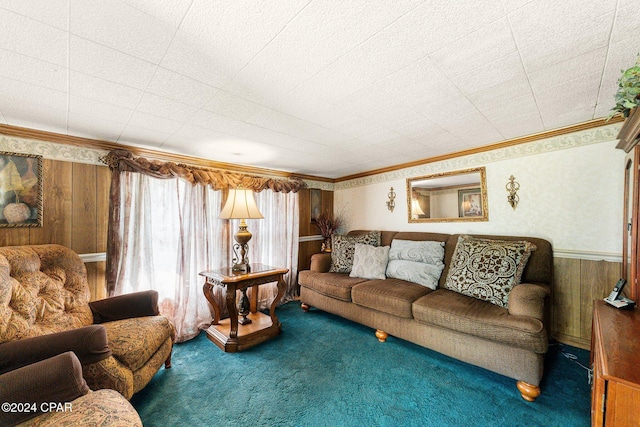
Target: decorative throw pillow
[
  {"x": 343, "y": 247},
  {"x": 487, "y": 269},
  {"x": 417, "y": 272},
  {"x": 416, "y": 261},
  {"x": 419, "y": 251},
  {"x": 370, "y": 262}
]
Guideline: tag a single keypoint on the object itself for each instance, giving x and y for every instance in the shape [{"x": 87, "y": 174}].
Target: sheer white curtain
[
  {"x": 170, "y": 232},
  {"x": 275, "y": 240}
]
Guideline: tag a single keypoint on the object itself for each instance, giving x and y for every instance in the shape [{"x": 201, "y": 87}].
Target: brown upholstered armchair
[
  {"x": 53, "y": 392},
  {"x": 121, "y": 341}
]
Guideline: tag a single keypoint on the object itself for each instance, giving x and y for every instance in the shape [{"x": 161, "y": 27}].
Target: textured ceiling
[{"x": 321, "y": 87}]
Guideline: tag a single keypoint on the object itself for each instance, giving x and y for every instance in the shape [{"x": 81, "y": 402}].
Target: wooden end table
[{"x": 257, "y": 327}]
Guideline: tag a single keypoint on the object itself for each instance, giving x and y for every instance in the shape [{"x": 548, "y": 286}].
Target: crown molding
[
  {"x": 499, "y": 152},
  {"x": 629, "y": 132},
  {"x": 504, "y": 144},
  {"x": 103, "y": 147},
  {"x": 85, "y": 150}
]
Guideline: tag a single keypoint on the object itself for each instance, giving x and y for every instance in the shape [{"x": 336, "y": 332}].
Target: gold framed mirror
[{"x": 448, "y": 197}]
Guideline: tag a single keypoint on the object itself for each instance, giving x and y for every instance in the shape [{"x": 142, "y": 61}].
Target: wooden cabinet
[
  {"x": 615, "y": 356},
  {"x": 628, "y": 137}
]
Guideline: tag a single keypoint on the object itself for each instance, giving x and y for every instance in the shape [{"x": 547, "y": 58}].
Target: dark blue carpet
[{"x": 326, "y": 371}]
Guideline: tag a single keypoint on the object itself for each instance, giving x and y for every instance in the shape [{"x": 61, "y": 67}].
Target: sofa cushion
[
  {"x": 392, "y": 296},
  {"x": 335, "y": 285},
  {"x": 416, "y": 261},
  {"x": 487, "y": 269},
  {"x": 134, "y": 341},
  {"x": 343, "y": 248},
  {"x": 370, "y": 262},
  {"x": 452, "y": 310}
]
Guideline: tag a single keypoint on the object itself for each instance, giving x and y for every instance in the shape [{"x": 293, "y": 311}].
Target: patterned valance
[{"x": 123, "y": 161}]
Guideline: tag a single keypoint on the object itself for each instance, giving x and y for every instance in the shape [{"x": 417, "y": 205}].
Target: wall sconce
[
  {"x": 513, "y": 187},
  {"x": 391, "y": 202}
]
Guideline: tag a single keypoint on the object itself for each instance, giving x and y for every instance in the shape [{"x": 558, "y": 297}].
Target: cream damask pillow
[
  {"x": 487, "y": 269},
  {"x": 370, "y": 262}
]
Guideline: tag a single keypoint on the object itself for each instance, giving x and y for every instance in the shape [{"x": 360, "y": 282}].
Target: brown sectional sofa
[{"x": 511, "y": 341}]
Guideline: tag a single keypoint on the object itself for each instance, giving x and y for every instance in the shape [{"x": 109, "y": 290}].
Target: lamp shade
[
  {"x": 240, "y": 205},
  {"x": 415, "y": 208}
]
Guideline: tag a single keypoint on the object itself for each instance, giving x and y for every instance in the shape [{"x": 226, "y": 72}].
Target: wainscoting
[
  {"x": 577, "y": 282},
  {"x": 75, "y": 205}
]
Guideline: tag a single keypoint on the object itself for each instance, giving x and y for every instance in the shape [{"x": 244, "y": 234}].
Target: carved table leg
[
  {"x": 272, "y": 310},
  {"x": 233, "y": 314},
  {"x": 305, "y": 307},
  {"x": 207, "y": 289},
  {"x": 381, "y": 335},
  {"x": 528, "y": 391}
]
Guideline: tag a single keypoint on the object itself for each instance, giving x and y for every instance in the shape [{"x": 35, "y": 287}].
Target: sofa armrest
[
  {"x": 321, "y": 262},
  {"x": 33, "y": 388},
  {"x": 127, "y": 306},
  {"x": 528, "y": 299},
  {"x": 89, "y": 344}
]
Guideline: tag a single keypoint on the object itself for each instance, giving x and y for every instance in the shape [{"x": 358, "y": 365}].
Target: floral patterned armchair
[
  {"x": 53, "y": 392},
  {"x": 120, "y": 341}
]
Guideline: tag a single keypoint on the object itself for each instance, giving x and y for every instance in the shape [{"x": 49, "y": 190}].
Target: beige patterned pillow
[
  {"x": 343, "y": 247},
  {"x": 487, "y": 269},
  {"x": 416, "y": 261},
  {"x": 370, "y": 262}
]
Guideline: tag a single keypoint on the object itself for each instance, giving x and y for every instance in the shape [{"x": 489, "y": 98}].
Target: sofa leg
[
  {"x": 305, "y": 307},
  {"x": 167, "y": 363},
  {"x": 381, "y": 335},
  {"x": 528, "y": 391}
]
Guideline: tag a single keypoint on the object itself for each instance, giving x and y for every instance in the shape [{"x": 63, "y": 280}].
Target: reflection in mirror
[
  {"x": 627, "y": 236},
  {"x": 448, "y": 197}
]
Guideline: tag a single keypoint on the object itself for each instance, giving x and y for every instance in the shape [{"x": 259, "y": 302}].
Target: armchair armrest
[
  {"x": 89, "y": 344},
  {"x": 321, "y": 262},
  {"x": 528, "y": 299},
  {"x": 33, "y": 388},
  {"x": 127, "y": 306}
]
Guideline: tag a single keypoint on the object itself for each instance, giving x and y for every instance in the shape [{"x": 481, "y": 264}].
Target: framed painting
[
  {"x": 20, "y": 190},
  {"x": 470, "y": 203},
  {"x": 316, "y": 203}
]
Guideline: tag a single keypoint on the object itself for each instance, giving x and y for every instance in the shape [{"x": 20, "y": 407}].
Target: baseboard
[{"x": 573, "y": 341}]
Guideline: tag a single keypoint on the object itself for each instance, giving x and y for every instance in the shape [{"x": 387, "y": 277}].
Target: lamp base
[
  {"x": 246, "y": 268},
  {"x": 245, "y": 308},
  {"x": 241, "y": 260}
]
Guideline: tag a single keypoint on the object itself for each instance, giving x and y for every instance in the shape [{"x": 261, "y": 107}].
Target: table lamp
[
  {"x": 241, "y": 205},
  {"x": 416, "y": 210}
]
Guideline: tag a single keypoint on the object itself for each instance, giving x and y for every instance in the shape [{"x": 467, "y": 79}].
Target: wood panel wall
[
  {"x": 308, "y": 228},
  {"x": 75, "y": 207},
  {"x": 576, "y": 284}
]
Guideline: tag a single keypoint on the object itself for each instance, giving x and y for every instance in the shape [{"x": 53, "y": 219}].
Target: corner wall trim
[
  {"x": 95, "y": 257},
  {"x": 310, "y": 238},
  {"x": 587, "y": 255}
]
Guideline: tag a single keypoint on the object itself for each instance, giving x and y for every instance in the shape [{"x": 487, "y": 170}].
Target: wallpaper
[
  {"x": 50, "y": 150},
  {"x": 571, "y": 193},
  {"x": 562, "y": 142}
]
